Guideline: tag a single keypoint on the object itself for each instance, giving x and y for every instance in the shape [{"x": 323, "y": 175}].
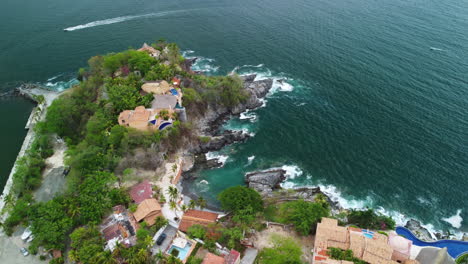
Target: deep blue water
[{"x": 378, "y": 109}]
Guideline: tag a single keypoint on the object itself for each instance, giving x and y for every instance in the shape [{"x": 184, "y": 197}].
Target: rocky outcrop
[
  {"x": 256, "y": 91},
  {"x": 218, "y": 142},
  {"x": 265, "y": 181},
  {"x": 418, "y": 230}
]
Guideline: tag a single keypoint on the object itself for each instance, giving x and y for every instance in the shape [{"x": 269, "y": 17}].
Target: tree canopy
[{"x": 239, "y": 198}]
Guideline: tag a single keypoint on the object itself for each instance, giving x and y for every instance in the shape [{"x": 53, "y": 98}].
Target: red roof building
[
  {"x": 141, "y": 192},
  {"x": 211, "y": 258},
  {"x": 233, "y": 257},
  {"x": 196, "y": 217}
]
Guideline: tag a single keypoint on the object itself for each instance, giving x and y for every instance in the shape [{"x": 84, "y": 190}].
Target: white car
[
  {"x": 26, "y": 234},
  {"x": 24, "y": 251}
]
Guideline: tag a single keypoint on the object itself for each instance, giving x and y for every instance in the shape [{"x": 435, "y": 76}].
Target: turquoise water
[
  {"x": 376, "y": 110},
  {"x": 182, "y": 251}
]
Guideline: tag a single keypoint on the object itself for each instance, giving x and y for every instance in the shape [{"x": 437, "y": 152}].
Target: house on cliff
[
  {"x": 370, "y": 246},
  {"x": 150, "y": 50}
]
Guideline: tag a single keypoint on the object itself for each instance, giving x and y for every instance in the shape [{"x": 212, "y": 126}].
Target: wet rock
[
  {"x": 265, "y": 181},
  {"x": 418, "y": 230},
  {"x": 218, "y": 142}
]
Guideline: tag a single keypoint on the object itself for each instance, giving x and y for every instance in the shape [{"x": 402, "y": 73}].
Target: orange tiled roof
[
  {"x": 196, "y": 217},
  {"x": 211, "y": 258}
]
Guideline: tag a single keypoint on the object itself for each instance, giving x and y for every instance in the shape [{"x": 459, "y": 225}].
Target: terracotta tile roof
[
  {"x": 149, "y": 209},
  {"x": 194, "y": 217},
  {"x": 211, "y": 258},
  {"x": 141, "y": 191},
  {"x": 233, "y": 257}
]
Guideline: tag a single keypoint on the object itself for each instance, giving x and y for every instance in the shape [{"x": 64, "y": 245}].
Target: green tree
[
  {"x": 238, "y": 198},
  {"x": 173, "y": 193},
  {"x": 87, "y": 245},
  {"x": 305, "y": 214},
  {"x": 197, "y": 231},
  {"x": 50, "y": 224},
  {"x": 201, "y": 202}
]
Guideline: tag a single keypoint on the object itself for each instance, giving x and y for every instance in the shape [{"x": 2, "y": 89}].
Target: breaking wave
[
  {"x": 213, "y": 155},
  {"x": 455, "y": 220},
  {"x": 337, "y": 196}
]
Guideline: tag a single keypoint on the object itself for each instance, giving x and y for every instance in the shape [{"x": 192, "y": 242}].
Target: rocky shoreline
[{"x": 266, "y": 182}]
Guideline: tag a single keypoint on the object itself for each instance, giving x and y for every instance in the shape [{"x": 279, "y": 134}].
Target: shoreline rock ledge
[{"x": 265, "y": 181}]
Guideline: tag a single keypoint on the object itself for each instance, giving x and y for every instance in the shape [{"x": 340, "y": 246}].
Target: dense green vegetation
[
  {"x": 99, "y": 150},
  {"x": 462, "y": 259},
  {"x": 303, "y": 215},
  {"x": 284, "y": 250},
  {"x": 339, "y": 254},
  {"x": 239, "y": 198},
  {"x": 370, "y": 220}
]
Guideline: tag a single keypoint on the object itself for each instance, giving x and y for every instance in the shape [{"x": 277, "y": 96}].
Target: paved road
[{"x": 10, "y": 250}]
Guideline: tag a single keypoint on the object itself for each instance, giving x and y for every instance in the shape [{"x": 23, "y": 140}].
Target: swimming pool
[
  {"x": 182, "y": 251},
  {"x": 455, "y": 248}
]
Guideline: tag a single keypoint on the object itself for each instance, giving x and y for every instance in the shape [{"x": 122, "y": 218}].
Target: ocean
[{"x": 373, "y": 106}]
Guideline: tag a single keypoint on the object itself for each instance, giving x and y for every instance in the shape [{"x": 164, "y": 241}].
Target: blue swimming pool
[
  {"x": 455, "y": 248},
  {"x": 182, "y": 251}
]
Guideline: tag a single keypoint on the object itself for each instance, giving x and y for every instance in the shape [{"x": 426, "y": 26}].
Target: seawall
[{"x": 37, "y": 114}]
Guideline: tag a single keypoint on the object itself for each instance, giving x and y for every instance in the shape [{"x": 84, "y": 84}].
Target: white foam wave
[
  {"x": 213, "y": 155},
  {"x": 60, "y": 85},
  {"x": 292, "y": 171},
  {"x": 251, "y": 116},
  {"x": 455, "y": 220},
  {"x": 436, "y": 49},
  {"x": 204, "y": 182},
  {"x": 250, "y": 160},
  {"x": 301, "y": 104},
  {"x": 119, "y": 20}
]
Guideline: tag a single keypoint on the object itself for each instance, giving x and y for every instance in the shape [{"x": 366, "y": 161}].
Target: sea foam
[
  {"x": 214, "y": 155},
  {"x": 455, "y": 220}
]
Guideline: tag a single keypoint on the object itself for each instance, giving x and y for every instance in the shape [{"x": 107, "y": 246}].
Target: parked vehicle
[
  {"x": 24, "y": 251},
  {"x": 31, "y": 238},
  {"x": 26, "y": 234},
  {"x": 160, "y": 239}
]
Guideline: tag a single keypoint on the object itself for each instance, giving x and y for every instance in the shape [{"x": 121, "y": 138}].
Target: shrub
[
  {"x": 240, "y": 197},
  {"x": 197, "y": 231},
  {"x": 370, "y": 220}
]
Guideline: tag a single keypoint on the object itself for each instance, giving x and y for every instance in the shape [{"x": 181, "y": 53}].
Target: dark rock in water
[
  {"x": 188, "y": 63},
  {"x": 248, "y": 78},
  {"x": 265, "y": 181},
  {"x": 216, "y": 143},
  {"x": 418, "y": 230},
  {"x": 260, "y": 88}
]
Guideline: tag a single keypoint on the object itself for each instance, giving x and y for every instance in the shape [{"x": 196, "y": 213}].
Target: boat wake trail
[{"x": 120, "y": 19}]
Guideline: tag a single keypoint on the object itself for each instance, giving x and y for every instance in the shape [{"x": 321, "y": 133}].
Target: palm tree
[
  {"x": 173, "y": 192},
  {"x": 104, "y": 257},
  {"x": 160, "y": 256},
  {"x": 201, "y": 202},
  {"x": 173, "y": 206},
  {"x": 192, "y": 204},
  {"x": 183, "y": 208}
]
